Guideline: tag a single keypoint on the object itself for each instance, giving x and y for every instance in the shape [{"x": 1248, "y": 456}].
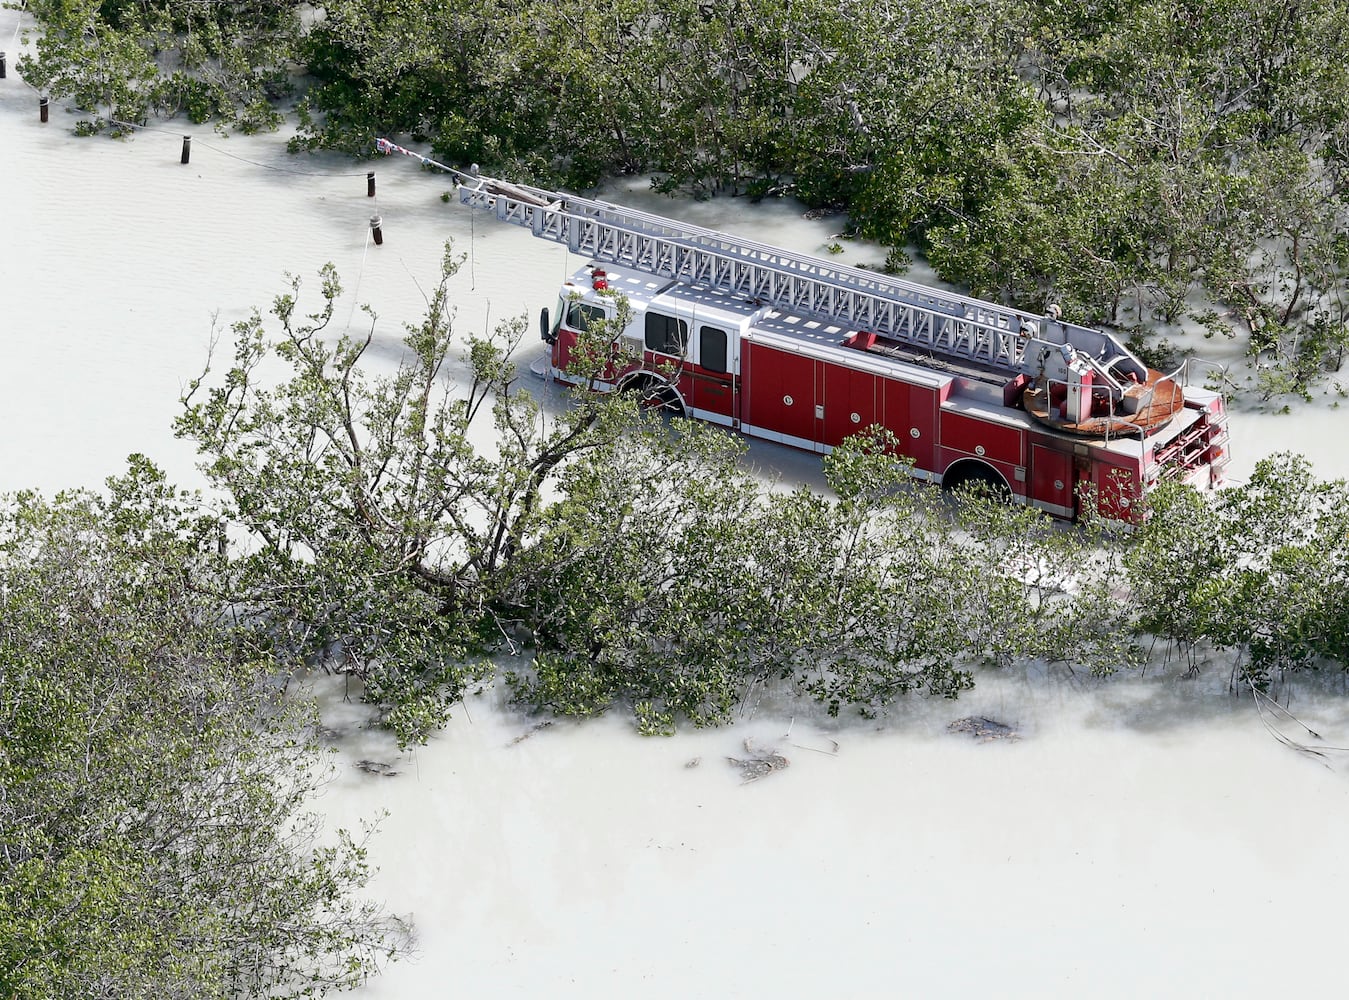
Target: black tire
[
  {"x": 657, "y": 395},
  {"x": 976, "y": 478}
]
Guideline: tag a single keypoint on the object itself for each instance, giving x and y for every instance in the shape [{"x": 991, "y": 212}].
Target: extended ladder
[{"x": 925, "y": 318}]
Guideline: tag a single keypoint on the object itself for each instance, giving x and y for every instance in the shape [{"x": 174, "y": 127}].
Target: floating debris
[
  {"x": 983, "y": 728},
  {"x": 1321, "y": 752},
  {"x": 694, "y": 762},
  {"x": 376, "y": 767},
  {"x": 762, "y": 761},
  {"x": 832, "y": 752},
  {"x": 526, "y": 735}
]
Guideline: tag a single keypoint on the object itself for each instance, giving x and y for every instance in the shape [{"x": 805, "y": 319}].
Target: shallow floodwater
[
  {"x": 1148, "y": 839},
  {"x": 1144, "y": 836}
]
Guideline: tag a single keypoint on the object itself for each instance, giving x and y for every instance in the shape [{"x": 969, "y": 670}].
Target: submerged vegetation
[
  {"x": 154, "y": 783},
  {"x": 407, "y": 528},
  {"x": 1127, "y": 160},
  {"x": 1137, "y": 162},
  {"x": 122, "y": 62}
]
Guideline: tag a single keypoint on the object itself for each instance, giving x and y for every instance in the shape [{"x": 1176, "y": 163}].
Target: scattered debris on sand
[
  {"x": 983, "y": 728},
  {"x": 376, "y": 767},
  {"x": 762, "y": 761}
]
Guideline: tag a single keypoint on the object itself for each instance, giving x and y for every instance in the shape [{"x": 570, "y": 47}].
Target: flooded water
[
  {"x": 1143, "y": 836},
  {"x": 1148, "y": 839}
]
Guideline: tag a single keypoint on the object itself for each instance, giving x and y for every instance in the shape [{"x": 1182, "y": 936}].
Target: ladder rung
[{"x": 904, "y": 311}]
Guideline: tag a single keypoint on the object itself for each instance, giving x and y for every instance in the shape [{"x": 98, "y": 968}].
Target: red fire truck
[{"x": 796, "y": 349}]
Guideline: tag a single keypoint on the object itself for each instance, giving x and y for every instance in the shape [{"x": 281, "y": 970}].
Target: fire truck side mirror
[{"x": 545, "y": 328}]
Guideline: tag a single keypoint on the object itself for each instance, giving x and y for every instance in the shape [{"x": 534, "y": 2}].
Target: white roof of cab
[{"x": 690, "y": 302}]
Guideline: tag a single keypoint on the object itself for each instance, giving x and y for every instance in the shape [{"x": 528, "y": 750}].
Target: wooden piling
[
  {"x": 42, "y": 109},
  {"x": 370, "y": 184},
  {"x": 376, "y": 231},
  {"x": 2, "y": 65},
  {"x": 187, "y": 148}
]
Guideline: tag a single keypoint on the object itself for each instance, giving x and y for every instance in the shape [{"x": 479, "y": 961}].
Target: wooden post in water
[
  {"x": 187, "y": 148},
  {"x": 2, "y": 65},
  {"x": 42, "y": 109},
  {"x": 370, "y": 184},
  {"x": 376, "y": 231}
]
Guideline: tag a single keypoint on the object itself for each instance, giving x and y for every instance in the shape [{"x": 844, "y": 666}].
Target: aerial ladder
[{"x": 1078, "y": 379}]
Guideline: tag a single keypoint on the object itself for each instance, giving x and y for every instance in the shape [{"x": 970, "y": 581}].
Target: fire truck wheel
[
  {"x": 657, "y": 395},
  {"x": 976, "y": 477}
]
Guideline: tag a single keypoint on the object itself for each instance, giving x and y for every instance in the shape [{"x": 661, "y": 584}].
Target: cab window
[
  {"x": 580, "y": 317},
  {"x": 712, "y": 348},
  {"x": 666, "y": 334}
]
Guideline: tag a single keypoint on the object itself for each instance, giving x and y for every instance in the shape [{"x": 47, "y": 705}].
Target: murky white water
[
  {"x": 1143, "y": 837},
  {"x": 1146, "y": 840}
]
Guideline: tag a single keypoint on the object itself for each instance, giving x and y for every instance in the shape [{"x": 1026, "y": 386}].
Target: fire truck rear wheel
[{"x": 976, "y": 477}]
